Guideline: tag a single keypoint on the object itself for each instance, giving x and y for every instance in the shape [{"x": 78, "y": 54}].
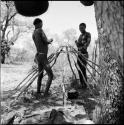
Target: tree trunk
[
  {"x": 109, "y": 18},
  {"x": 3, "y": 58}
]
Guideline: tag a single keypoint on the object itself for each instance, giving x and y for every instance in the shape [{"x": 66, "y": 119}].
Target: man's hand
[
  {"x": 85, "y": 45},
  {"x": 50, "y": 41},
  {"x": 76, "y": 41}
]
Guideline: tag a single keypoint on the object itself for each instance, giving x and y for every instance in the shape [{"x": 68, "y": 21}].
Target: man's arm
[
  {"x": 78, "y": 42},
  {"x": 88, "y": 40},
  {"x": 45, "y": 40},
  {"x": 50, "y": 41}
]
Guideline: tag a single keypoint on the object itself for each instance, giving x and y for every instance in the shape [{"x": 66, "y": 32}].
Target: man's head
[
  {"x": 38, "y": 22},
  {"x": 82, "y": 27}
]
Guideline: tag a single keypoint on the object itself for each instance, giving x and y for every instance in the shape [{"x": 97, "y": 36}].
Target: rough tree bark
[{"x": 109, "y": 18}]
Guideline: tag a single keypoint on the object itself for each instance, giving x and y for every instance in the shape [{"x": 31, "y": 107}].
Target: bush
[
  {"x": 111, "y": 96},
  {"x": 20, "y": 56}
]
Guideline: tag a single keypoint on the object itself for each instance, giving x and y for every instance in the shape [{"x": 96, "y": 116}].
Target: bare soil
[{"x": 13, "y": 74}]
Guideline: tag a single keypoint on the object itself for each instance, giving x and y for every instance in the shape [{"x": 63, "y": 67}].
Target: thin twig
[
  {"x": 25, "y": 83},
  {"x": 63, "y": 89},
  {"x": 27, "y": 86},
  {"x": 53, "y": 58},
  {"x": 88, "y": 62},
  {"x": 91, "y": 66},
  {"x": 83, "y": 77},
  {"x": 23, "y": 80},
  {"x": 36, "y": 77},
  {"x": 85, "y": 66},
  {"x": 68, "y": 57},
  {"x": 84, "y": 57},
  {"x": 30, "y": 78},
  {"x": 50, "y": 57}
]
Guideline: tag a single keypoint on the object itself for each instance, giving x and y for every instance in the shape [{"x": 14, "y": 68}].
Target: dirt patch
[{"x": 27, "y": 105}]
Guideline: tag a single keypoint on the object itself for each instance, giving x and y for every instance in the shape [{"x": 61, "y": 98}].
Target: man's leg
[
  {"x": 50, "y": 78},
  {"x": 84, "y": 61},
  {"x": 40, "y": 68},
  {"x": 83, "y": 69},
  {"x": 44, "y": 65},
  {"x": 79, "y": 72}
]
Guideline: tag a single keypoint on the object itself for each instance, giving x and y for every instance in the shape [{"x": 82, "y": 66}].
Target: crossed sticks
[{"x": 70, "y": 51}]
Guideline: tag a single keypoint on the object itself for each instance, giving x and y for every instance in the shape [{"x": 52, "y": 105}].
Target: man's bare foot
[{"x": 37, "y": 95}]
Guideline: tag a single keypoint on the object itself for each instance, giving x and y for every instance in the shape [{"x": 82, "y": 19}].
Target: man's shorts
[{"x": 41, "y": 58}]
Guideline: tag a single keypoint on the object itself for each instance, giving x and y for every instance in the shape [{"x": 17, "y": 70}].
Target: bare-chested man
[
  {"x": 82, "y": 45},
  {"x": 41, "y": 43}
]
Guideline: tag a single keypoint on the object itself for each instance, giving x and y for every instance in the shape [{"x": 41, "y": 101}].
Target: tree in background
[
  {"x": 69, "y": 37},
  {"x": 9, "y": 28}
]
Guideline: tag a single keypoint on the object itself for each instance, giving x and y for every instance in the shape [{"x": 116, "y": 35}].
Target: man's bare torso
[{"x": 40, "y": 39}]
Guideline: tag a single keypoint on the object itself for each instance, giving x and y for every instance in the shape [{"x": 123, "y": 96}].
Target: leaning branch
[{"x": 68, "y": 57}]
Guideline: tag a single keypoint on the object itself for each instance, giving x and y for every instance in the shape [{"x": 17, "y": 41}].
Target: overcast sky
[{"x": 62, "y": 15}]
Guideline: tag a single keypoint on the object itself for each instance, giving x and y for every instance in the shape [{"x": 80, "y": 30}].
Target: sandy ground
[{"x": 12, "y": 75}]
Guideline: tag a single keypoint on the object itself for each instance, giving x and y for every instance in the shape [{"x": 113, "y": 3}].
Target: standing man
[
  {"x": 82, "y": 43},
  {"x": 41, "y": 43}
]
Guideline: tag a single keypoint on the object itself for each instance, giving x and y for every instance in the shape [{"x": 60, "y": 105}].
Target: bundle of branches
[
  {"x": 71, "y": 53},
  {"x": 33, "y": 74},
  {"x": 23, "y": 86}
]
